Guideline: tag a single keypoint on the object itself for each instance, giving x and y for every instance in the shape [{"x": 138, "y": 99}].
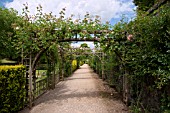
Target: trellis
[
  {"x": 95, "y": 36},
  {"x": 31, "y": 64}
]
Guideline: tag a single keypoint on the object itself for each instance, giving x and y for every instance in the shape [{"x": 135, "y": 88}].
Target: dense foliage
[
  {"x": 12, "y": 88},
  {"x": 151, "y": 47},
  {"x": 7, "y": 18},
  {"x": 144, "y": 5},
  {"x": 144, "y": 59}
]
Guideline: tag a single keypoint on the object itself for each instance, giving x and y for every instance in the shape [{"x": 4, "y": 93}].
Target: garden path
[{"x": 83, "y": 92}]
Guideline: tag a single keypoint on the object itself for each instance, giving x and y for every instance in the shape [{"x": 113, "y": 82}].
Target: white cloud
[
  {"x": 107, "y": 9},
  {"x": 90, "y": 44}
]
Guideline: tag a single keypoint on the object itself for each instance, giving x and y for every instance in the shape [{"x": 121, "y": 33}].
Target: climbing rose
[{"x": 130, "y": 37}]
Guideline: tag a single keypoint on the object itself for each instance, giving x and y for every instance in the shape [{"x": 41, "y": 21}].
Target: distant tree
[
  {"x": 7, "y": 18},
  {"x": 84, "y": 45}
]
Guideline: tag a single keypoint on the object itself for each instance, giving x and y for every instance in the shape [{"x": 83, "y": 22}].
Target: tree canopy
[
  {"x": 84, "y": 45},
  {"x": 7, "y": 18}
]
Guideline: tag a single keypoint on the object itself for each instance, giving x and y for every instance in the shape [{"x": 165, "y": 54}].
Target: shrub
[
  {"x": 12, "y": 88},
  {"x": 74, "y": 65}
]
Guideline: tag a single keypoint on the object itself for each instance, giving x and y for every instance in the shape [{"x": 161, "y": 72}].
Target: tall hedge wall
[
  {"x": 139, "y": 67},
  {"x": 12, "y": 88}
]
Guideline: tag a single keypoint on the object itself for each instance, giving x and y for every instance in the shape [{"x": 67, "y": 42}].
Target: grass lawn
[
  {"x": 41, "y": 74},
  {"x": 6, "y": 61}
]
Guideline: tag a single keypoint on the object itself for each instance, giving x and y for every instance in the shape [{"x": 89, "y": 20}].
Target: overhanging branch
[{"x": 156, "y": 6}]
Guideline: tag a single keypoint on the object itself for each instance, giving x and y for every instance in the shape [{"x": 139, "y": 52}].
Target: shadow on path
[{"x": 83, "y": 84}]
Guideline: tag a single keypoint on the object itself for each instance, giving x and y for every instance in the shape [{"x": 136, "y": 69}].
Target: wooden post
[
  {"x": 71, "y": 63},
  {"x": 30, "y": 82},
  {"x": 71, "y": 67},
  {"x": 62, "y": 72},
  {"x": 34, "y": 83},
  {"x": 126, "y": 87},
  {"x": 62, "y": 66},
  {"x": 96, "y": 67},
  {"x": 54, "y": 74},
  {"x": 102, "y": 61},
  {"x": 58, "y": 71}
]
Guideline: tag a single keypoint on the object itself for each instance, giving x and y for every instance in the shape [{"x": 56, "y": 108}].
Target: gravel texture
[{"x": 83, "y": 92}]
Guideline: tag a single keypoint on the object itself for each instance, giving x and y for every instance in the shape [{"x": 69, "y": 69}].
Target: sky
[{"x": 108, "y": 10}]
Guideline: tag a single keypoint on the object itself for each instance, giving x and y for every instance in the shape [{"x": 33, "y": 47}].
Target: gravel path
[{"x": 83, "y": 92}]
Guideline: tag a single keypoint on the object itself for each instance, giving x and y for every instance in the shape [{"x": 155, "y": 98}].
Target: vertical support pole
[
  {"x": 126, "y": 93},
  {"x": 96, "y": 64},
  {"x": 27, "y": 81},
  {"x": 102, "y": 60},
  {"x": 26, "y": 63},
  {"x": 126, "y": 87},
  {"x": 71, "y": 70},
  {"x": 34, "y": 83},
  {"x": 71, "y": 63},
  {"x": 62, "y": 66},
  {"x": 62, "y": 72},
  {"x": 54, "y": 74},
  {"x": 58, "y": 71},
  {"x": 30, "y": 82}
]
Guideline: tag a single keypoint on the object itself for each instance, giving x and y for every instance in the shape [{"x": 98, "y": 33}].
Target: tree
[
  {"x": 7, "y": 18},
  {"x": 84, "y": 45}
]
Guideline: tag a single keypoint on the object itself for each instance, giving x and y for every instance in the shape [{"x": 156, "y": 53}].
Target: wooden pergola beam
[
  {"x": 86, "y": 31},
  {"x": 79, "y": 39}
]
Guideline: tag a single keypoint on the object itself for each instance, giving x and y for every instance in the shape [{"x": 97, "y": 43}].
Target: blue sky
[
  {"x": 108, "y": 10},
  {"x": 2, "y": 2}
]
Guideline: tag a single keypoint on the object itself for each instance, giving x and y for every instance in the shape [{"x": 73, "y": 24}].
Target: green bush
[
  {"x": 144, "y": 60},
  {"x": 148, "y": 58},
  {"x": 74, "y": 65},
  {"x": 12, "y": 88}
]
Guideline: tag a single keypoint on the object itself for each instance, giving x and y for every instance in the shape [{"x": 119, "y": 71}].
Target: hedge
[
  {"x": 12, "y": 88},
  {"x": 143, "y": 62},
  {"x": 74, "y": 65}
]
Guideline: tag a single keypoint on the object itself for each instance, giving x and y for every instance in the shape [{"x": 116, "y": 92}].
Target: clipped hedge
[
  {"x": 12, "y": 88},
  {"x": 74, "y": 65}
]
